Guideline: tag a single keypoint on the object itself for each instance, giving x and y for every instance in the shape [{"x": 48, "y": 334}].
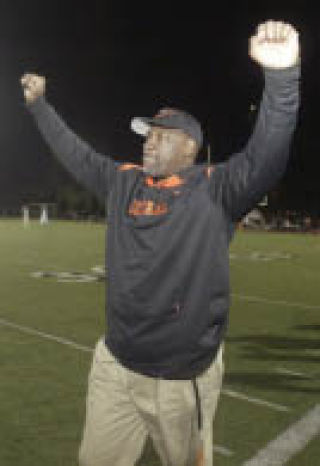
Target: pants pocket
[
  {"x": 104, "y": 364},
  {"x": 211, "y": 379}
]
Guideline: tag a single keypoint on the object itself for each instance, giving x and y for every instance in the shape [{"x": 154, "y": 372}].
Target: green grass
[{"x": 43, "y": 383}]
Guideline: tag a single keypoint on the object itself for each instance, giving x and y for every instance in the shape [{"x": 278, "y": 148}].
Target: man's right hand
[{"x": 34, "y": 86}]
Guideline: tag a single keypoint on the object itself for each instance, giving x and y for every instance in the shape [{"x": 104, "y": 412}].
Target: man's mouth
[
  {"x": 149, "y": 154},
  {"x": 151, "y": 162}
]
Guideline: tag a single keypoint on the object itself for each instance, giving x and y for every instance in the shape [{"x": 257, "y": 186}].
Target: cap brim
[{"x": 140, "y": 125}]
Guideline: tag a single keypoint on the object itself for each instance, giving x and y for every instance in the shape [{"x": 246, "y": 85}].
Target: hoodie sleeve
[
  {"x": 93, "y": 170},
  {"x": 241, "y": 182}
]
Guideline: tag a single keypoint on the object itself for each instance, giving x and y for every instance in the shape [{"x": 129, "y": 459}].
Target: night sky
[{"x": 104, "y": 66}]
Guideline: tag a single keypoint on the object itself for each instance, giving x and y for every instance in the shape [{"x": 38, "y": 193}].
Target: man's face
[{"x": 166, "y": 151}]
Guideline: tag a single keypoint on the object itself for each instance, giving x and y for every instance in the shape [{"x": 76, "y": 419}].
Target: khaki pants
[{"x": 124, "y": 407}]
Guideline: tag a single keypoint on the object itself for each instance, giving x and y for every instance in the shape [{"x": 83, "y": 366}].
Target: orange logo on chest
[{"x": 147, "y": 208}]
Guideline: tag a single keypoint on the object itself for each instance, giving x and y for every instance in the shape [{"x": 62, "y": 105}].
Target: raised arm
[
  {"x": 248, "y": 175},
  {"x": 95, "y": 171}
]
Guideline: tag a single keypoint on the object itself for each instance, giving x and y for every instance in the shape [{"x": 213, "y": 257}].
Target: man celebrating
[{"x": 158, "y": 371}]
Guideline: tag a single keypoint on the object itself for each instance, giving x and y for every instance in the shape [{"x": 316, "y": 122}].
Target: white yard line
[
  {"x": 269, "y": 301},
  {"x": 222, "y": 450},
  {"x": 282, "y": 370},
  {"x": 47, "y": 336},
  {"x": 257, "y": 401},
  {"x": 290, "y": 442}
]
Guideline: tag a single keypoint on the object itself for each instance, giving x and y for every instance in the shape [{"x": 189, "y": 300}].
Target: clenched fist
[
  {"x": 275, "y": 45},
  {"x": 34, "y": 86}
]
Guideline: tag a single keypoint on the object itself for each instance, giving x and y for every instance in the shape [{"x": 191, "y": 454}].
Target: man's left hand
[{"x": 275, "y": 45}]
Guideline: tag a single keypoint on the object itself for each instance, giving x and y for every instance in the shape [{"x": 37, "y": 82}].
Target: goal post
[{"x": 40, "y": 211}]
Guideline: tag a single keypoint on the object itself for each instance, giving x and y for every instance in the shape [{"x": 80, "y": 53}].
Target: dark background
[{"x": 106, "y": 62}]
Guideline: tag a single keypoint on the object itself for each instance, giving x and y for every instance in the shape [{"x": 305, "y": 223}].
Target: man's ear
[{"x": 191, "y": 147}]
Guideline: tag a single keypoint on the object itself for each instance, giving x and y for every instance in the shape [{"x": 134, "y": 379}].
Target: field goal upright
[{"x": 41, "y": 211}]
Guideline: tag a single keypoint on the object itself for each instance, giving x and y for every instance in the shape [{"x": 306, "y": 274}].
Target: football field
[{"x": 52, "y": 313}]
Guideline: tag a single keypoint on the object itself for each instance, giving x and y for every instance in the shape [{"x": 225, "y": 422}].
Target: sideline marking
[
  {"x": 48, "y": 336},
  {"x": 258, "y": 401},
  {"x": 268, "y": 301},
  {"x": 222, "y": 450},
  {"x": 290, "y": 442},
  {"x": 282, "y": 370}
]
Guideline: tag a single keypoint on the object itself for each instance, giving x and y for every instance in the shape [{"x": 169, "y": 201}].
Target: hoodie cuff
[{"x": 36, "y": 107}]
